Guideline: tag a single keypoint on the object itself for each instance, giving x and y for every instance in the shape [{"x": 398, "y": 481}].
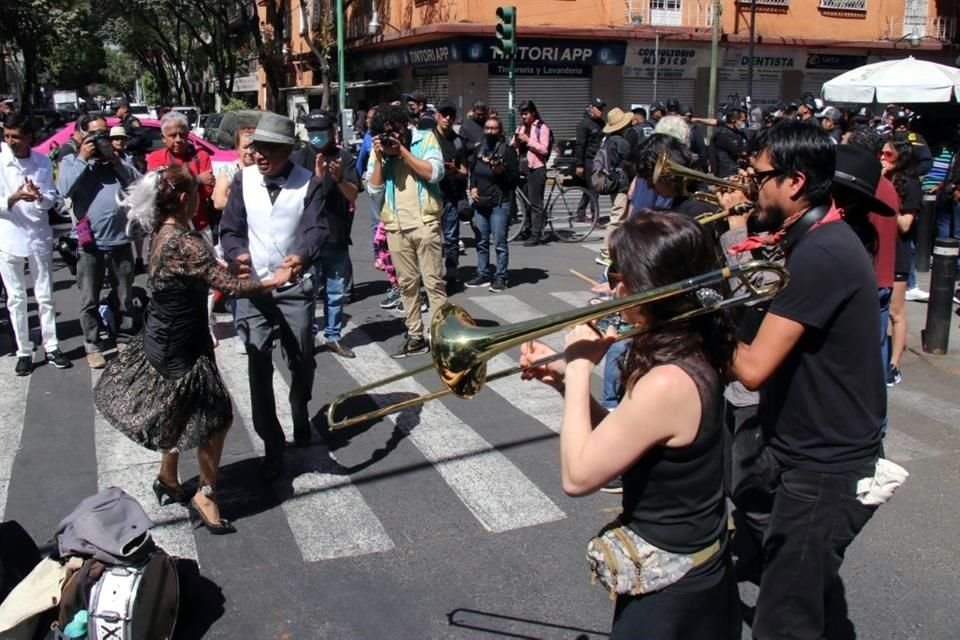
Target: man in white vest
[{"x": 274, "y": 219}]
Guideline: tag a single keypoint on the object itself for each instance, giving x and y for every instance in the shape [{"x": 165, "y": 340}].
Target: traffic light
[{"x": 507, "y": 30}]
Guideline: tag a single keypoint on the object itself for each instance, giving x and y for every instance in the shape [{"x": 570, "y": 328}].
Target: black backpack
[{"x": 604, "y": 178}]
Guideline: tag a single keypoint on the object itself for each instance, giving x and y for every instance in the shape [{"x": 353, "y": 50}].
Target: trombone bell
[{"x": 666, "y": 168}]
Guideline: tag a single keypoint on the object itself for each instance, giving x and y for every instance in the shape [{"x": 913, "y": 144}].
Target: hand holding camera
[
  {"x": 496, "y": 162},
  {"x": 96, "y": 145},
  {"x": 387, "y": 144}
]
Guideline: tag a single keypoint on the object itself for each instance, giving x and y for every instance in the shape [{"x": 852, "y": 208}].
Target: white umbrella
[{"x": 906, "y": 80}]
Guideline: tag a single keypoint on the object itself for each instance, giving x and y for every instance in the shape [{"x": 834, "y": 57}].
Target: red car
[{"x": 221, "y": 158}]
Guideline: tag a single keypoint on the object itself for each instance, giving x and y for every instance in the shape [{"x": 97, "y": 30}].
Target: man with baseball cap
[
  {"x": 589, "y": 136},
  {"x": 416, "y": 103},
  {"x": 275, "y": 218},
  {"x": 830, "y": 119}
]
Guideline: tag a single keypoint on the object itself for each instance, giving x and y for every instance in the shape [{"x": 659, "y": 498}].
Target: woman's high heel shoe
[
  {"x": 197, "y": 519},
  {"x": 170, "y": 495}
]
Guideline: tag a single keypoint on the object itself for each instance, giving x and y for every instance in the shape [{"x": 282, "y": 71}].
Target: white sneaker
[{"x": 916, "y": 294}]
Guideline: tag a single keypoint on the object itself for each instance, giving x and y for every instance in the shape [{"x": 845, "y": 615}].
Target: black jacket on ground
[{"x": 589, "y": 136}]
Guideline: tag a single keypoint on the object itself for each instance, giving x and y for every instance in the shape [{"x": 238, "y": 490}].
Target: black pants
[
  {"x": 585, "y": 182},
  {"x": 814, "y": 518},
  {"x": 289, "y": 311},
  {"x": 535, "y": 185}
]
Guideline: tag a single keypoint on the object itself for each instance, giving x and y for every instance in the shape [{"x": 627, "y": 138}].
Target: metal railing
[
  {"x": 844, "y": 5},
  {"x": 940, "y": 27},
  {"x": 688, "y": 13},
  {"x": 766, "y": 3}
]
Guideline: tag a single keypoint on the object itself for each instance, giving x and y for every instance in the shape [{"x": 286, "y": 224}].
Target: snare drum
[{"x": 135, "y": 603}]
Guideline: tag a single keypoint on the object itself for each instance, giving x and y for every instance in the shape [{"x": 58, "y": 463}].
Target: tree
[
  {"x": 269, "y": 40},
  {"x": 121, "y": 72},
  {"x": 321, "y": 40}
]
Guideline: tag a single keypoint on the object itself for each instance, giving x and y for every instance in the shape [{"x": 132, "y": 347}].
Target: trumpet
[
  {"x": 666, "y": 168},
  {"x": 461, "y": 350}
]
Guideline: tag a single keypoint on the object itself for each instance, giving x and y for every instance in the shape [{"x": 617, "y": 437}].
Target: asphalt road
[{"x": 447, "y": 521}]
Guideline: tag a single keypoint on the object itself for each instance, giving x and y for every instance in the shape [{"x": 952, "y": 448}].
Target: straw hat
[{"x": 617, "y": 119}]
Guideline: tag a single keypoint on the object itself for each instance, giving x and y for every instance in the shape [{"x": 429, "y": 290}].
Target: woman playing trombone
[{"x": 664, "y": 439}]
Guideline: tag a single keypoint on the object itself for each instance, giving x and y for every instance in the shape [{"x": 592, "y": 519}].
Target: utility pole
[
  {"x": 341, "y": 74},
  {"x": 656, "y": 63},
  {"x": 753, "y": 32},
  {"x": 714, "y": 52}
]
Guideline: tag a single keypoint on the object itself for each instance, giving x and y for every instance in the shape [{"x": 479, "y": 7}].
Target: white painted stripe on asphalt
[
  {"x": 900, "y": 447},
  {"x": 596, "y": 247},
  {"x": 576, "y": 299},
  {"x": 123, "y": 463},
  {"x": 13, "y": 413},
  {"x": 926, "y": 405},
  {"x": 537, "y": 400},
  {"x": 327, "y": 513},
  {"x": 491, "y": 487}
]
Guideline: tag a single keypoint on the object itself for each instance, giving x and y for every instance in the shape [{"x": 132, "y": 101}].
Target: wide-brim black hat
[{"x": 859, "y": 170}]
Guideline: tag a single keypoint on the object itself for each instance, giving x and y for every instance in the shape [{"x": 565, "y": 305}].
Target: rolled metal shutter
[
  {"x": 640, "y": 90},
  {"x": 435, "y": 85},
  {"x": 765, "y": 92},
  {"x": 561, "y": 102},
  {"x": 813, "y": 81}
]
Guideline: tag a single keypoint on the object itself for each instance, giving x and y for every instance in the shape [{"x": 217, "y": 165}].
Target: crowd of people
[{"x": 781, "y": 409}]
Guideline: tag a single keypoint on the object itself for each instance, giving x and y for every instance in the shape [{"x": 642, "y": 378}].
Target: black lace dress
[{"x": 164, "y": 391}]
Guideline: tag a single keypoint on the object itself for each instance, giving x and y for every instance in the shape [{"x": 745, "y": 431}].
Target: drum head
[{"x": 154, "y": 609}]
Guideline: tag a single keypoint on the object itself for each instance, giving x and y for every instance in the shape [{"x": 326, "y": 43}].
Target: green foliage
[{"x": 235, "y": 104}]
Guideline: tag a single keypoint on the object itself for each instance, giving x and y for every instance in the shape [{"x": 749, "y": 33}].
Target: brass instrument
[
  {"x": 666, "y": 168},
  {"x": 461, "y": 350}
]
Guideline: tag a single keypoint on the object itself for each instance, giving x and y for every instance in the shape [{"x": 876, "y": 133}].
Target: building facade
[{"x": 626, "y": 52}]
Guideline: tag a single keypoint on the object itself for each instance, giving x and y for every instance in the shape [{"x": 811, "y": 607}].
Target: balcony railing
[
  {"x": 657, "y": 13},
  {"x": 766, "y": 3},
  {"x": 940, "y": 27},
  {"x": 844, "y": 5}
]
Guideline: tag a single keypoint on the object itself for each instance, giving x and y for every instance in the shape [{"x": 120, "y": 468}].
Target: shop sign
[
  {"x": 768, "y": 64},
  {"x": 542, "y": 71},
  {"x": 834, "y": 61},
  {"x": 243, "y": 84},
  {"x": 674, "y": 61},
  {"x": 548, "y": 52}
]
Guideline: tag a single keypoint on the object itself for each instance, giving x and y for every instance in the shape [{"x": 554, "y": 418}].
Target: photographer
[
  {"x": 493, "y": 177},
  {"x": 404, "y": 171},
  {"x": 94, "y": 178}
]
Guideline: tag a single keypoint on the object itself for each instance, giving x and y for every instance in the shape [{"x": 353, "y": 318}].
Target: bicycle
[{"x": 568, "y": 223}]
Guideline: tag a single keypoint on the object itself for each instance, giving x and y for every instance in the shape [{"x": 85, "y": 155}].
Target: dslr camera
[
  {"x": 103, "y": 148},
  {"x": 494, "y": 160},
  {"x": 387, "y": 140}
]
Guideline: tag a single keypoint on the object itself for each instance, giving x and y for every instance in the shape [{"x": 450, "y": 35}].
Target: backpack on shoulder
[{"x": 604, "y": 179}]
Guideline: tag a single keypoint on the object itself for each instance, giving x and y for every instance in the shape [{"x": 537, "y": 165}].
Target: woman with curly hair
[
  {"x": 900, "y": 167},
  {"x": 664, "y": 439},
  {"x": 164, "y": 391}
]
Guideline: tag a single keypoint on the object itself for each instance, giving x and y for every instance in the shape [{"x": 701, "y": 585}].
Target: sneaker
[
  {"x": 411, "y": 347},
  {"x": 392, "y": 299},
  {"x": 603, "y": 259},
  {"x": 24, "y": 365},
  {"x": 95, "y": 360},
  {"x": 916, "y": 294},
  {"x": 614, "y": 486},
  {"x": 956, "y": 297},
  {"x": 424, "y": 303},
  {"x": 499, "y": 284},
  {"x": 57, "y": 359},
  {"x": 894, "y": 376},
  {"x": 478, "y": 281},
  {"x": 400, "y": 309},
  {"x": 461, "y": 248}
]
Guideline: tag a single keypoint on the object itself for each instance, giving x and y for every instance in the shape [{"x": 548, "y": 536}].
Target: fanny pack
[
  {"x": 85, "y": 233},
  {"x": 625, "y": 563}
]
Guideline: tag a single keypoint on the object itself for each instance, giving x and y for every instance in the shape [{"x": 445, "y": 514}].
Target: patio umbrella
[{"x": 906, "y": 80}]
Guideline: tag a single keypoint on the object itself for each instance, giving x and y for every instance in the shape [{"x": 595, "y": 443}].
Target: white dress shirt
[{"x": 25, "y": 228}]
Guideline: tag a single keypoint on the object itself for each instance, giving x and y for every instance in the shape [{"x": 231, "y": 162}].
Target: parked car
[
  {"x": 207, "y": 121},
  {"x": 192, "y": 113},
  {"x": 221, "y": 158},
  {"x": 223, "y": 134}
]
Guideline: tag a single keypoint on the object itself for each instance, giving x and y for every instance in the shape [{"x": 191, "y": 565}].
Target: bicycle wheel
[
  {"x": 519, "y": 220},
  {"x": 568, "y": 221}
]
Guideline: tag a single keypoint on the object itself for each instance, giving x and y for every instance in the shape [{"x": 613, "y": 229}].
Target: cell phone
[{"x": 613, "y": 320}]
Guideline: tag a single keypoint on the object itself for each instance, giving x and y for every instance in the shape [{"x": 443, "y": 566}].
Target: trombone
[
  {"x": 461, "y": 350},
  {"x": 666, "y": 168}
]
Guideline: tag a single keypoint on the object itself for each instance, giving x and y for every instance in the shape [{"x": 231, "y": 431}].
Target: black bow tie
[{"x": 274, "y": 183}]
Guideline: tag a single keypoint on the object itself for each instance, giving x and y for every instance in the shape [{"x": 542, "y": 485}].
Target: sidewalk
[{"x": 917, "y": 320}]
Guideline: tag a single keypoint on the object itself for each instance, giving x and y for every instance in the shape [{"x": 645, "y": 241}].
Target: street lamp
[{"x": 373, "y": 28}]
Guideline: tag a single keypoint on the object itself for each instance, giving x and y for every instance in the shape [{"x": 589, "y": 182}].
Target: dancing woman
[
  {"x": 164, "y": 391},
  {"x": 664, "y": 438}
]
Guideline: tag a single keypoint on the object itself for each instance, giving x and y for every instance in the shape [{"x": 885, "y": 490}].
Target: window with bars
[
  {"x": 844, "y": 5},
  {"x": 665, "y": 5}
]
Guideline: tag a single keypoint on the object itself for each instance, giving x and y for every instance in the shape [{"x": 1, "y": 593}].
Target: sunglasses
[
  {"x": 888, "y": 154},
  {"x": 758, "y": 178}
]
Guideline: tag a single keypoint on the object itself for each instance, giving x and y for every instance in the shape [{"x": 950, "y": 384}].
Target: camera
[
  {"x": 102, "y": 145},
  {"x": 494, "y": 160},
  {"x": 387, "y": 140},
  {"x": 67, "y": 248}
]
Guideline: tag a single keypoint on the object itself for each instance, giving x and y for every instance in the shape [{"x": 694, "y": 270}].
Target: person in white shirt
[{"x": 26, "y": 194}]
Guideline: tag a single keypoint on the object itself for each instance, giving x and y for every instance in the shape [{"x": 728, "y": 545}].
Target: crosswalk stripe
[
  {"x": 498, "y": 494},
  {"x": 576, "y": 299},
  {"x": 926, "y": 405},
  {"x": 13, "y": 412},
  {"x": 123, "y": 463},
  {"x": 327, "y": 513}
]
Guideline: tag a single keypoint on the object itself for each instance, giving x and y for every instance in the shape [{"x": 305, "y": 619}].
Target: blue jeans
[
  {"x": 332, "y": 267},
  {"x": 611, "y": 374},
  {"x": 450, "y": 225},
  {"x": 492, "y": 222},
  {"x": 884, "y": 296}
]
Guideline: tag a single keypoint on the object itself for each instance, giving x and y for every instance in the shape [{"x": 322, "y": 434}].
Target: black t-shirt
[
  {"x": 453, "y": 185},
  {"x": 910, "y": 201},
  {"x": 821, "y": 409},
  {"x": 336, "y": 207},
  {"x": 495, "y": 186}
]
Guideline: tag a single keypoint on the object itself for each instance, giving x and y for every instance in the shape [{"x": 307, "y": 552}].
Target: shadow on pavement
[{"x": 513, "y": 627}]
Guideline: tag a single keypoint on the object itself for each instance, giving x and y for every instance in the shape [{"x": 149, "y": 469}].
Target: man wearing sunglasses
[{"x": 822, "y": 396}]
